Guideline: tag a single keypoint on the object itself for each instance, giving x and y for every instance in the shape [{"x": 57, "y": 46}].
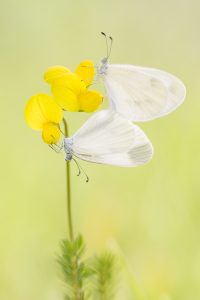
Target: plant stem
[{"x": 68, "y": 189}]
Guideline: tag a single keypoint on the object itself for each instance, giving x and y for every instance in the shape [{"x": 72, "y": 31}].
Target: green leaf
[
  {"x": 74, "y": 268},
  {"x": 104, "y": 279}
]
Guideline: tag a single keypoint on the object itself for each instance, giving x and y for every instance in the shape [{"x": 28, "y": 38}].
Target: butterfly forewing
[
  {"x": 108, "y": 138},
  {"x": 142, "y": 94}
]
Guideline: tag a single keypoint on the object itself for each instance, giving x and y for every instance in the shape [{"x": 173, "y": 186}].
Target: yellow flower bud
[{"x": 51, "y": 133}]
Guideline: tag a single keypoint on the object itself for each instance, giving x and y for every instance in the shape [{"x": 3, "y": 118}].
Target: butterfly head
[
  {"x": 103, "y": 66},
  {"x": 104, "y": 61}
]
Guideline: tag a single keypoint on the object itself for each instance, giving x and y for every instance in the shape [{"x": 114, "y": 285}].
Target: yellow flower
[
  {"x": 43, "y": 113},
  {"x": 70, "y": 89}
]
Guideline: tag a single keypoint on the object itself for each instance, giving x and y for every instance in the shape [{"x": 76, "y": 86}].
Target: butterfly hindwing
[{"x": 108, "y": 138}]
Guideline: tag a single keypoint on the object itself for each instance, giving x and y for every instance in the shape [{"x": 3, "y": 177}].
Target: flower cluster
[{"x": 70, "y": 92}]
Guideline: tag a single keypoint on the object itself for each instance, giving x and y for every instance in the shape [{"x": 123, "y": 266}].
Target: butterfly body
[{"x": 68, "y": 142}]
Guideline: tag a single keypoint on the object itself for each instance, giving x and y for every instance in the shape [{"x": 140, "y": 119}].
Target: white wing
[
  {"x": 142, "y": 94},
  {"x": 108, "y": 138}
]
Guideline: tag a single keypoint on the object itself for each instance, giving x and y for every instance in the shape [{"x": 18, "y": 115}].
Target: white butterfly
[
  {"x": 139, "y": 93},
  {"x": 108, "y": 138}
]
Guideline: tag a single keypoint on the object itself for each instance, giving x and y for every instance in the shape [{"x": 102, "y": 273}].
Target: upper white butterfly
[{"x": 140, "y": 93}]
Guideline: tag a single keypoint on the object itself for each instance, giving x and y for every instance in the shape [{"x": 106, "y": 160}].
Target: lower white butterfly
[
  {"x": 139, "y": 93},
  {"x": 108, "y": 138}
]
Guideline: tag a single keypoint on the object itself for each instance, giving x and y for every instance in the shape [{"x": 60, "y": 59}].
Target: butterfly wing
[
  {"x": 108, "y": 138},
  {"x": 142, "y": 94}
]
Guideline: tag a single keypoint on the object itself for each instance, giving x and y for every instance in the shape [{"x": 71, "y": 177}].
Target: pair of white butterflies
[{"x": 135, "y": 94}]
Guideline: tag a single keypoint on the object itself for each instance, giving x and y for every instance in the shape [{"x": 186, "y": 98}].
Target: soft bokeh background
[{"x": 150, "y": 213}]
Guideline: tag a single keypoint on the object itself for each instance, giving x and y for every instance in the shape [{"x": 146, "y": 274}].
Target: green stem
[{"x": 68, "y": 186}]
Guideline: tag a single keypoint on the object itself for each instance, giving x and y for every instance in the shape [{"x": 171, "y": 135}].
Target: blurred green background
[{"x": 151, "y": 213}]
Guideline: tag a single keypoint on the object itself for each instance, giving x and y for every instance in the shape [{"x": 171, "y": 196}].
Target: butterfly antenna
[
  {"x": 111, "y": 43},
  {"x": 79, "y": 170},
  {"x": 106, "y": 42}
]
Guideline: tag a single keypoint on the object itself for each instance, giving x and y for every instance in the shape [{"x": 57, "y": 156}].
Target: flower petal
[
  {"x": 51, "y": 133},
  {"x": 90, "y": 101},
  {"x": 54, "y": 73},
  {"x": 72, "y": 82},
  {"x": 66, "y": 91},
  {"x": 86, "y": 71},
  {"x": 40, "y": 109},
  {"x": 65, "y": 98},
  {"x": 33, "y": 114}
]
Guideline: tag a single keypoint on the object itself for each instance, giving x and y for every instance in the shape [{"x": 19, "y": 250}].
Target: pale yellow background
[{"x": 151, "y": 213}]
